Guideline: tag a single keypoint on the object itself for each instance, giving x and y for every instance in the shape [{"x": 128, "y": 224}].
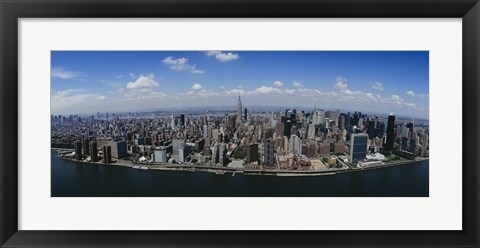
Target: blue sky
[{"x": 114, "y": 81}]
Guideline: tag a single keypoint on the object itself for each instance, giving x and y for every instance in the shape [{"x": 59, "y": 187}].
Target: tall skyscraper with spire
[{"x": 239, "y": 110}]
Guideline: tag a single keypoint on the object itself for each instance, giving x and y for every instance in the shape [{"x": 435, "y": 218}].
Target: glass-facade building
[{"x": 358, "y": 147}]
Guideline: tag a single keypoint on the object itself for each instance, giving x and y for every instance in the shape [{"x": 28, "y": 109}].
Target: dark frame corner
[{"x": 11, "y": 10}]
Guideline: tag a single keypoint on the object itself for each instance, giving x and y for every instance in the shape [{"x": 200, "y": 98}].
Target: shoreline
[{"x": 220, "y": 170}]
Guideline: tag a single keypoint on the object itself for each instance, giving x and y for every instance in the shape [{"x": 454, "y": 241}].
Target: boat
[
  {"x": 136, "y": 166},
  {"x": 143, "y": 167}
]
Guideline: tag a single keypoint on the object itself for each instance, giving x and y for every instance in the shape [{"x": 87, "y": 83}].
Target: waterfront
[{"x": 73, "y": 179}]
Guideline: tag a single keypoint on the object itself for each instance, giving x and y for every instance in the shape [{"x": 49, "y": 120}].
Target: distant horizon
[
  {"x": 84, "y": 82},
  {"x": 232, "y": 108}
]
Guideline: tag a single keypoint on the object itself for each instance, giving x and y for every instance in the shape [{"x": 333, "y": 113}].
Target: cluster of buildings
[{"x": 288, "y": 140}]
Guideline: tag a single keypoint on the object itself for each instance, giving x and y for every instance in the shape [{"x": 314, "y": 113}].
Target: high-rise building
[
  {"x": 390, "y": 132},
  {"x": 311, "y": 131},
  {"x": 252, "y": 153},
  {"x": 205, "y": 131},
  {"x": 413, "y": 146},
  {"x": 245, "y": 115},
  {"x": 182, "y": 120},
  {"x": 295, "y": 145},
  {"x": 215, "y": 156},
  {"x": 339, "y": 148},
  {"x": 107, "y": 154},
  {"x": 318, "y": 116},
  {"x": 183, "y": 153},
  {"x": 358, "y": 147},
  {"x": 404, "y": 145},
  {"x": 177, "y": 144},
  {"x": 288, "y": 128},
  {"x": 86, "y": 146},
  {"x": 222, "y": 154},
  {"x": 154, "y": 137},
  {"x": 279, "y": 129},
  {"x": 160, "y": 155},
  {"x": 341, "y": 121},
  {"x": 371, "y": 129},
  {"x": 78, "y": 150},
  {"x": 239, "y": 110},
  {"x": 172, "y": 123},
  {"x": 323, "y": 149},
  {"x": 93, "y": 151},
  {"x": 268, "y": 152},
  {"x": 118, "y": 148}
]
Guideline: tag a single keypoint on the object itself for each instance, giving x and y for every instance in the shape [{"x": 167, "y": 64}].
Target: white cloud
[
  {"x": 197, "y": 86},
  {"x": 395, "y": 98},
  {"x": 64, "y": 93},
  {"x": 341, "y": 83},
  {"x": 223, "y": 57},
  {"x": 410, "y": 105},
  {"x": 197, "y": 92},
  {"x": 423, "y": 96},
  {"x": 278, "y": 84},
  {"x": 212, "y": 53},
  {"x": 207, "y": 93},
  {"x": 147, "y": 81},
  {"x": 347, "y": 91},
  {"x": 62, "y": 73},
  {"x": 66, "y": 100},
  {"x": 119, "y": 76},
  {"x": 132, "y": 75},
  {"x": 181, "y": 64},
  {"x": 410, "y": 93},
  {"x": 377, "y": 86},
  {"x": 235, "y": 92},
  {"x": 297, "y": 84},
  {"x": 266, "y": 90}
]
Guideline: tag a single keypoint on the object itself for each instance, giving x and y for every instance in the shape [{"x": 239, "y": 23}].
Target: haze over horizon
[{"x": 123, "y": 81}]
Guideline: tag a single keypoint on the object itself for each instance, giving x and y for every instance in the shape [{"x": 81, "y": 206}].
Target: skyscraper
[
  {"x": 118, "y": 148},
  {"x": 86, "y": 146},
  {"x": 177, "y": 144},
  {"x": 78, "y": 150},
  {"x": 160, "y": 155},
  {"x": 371, "y": 129},
  {"x": 93, "y": 151},
  {"x": 205, "y": 131},
  {"x": 182, "y": 120},
  {"x": 239, "y": 110},
  {"x": 222, "y": 154},
  {"x": 107, "y": 154},
  {"x": 390, "y": 132},
  {"x": 358, "y": 147},
  {"x": 268, "y": 150},
  {"x": 252, "y": 153}
]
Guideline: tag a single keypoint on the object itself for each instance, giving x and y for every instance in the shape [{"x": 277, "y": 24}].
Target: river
[{"x": 72, "y": 179}]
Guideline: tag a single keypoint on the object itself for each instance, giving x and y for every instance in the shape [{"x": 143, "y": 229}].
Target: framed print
[{"x": 208, "y": 123}]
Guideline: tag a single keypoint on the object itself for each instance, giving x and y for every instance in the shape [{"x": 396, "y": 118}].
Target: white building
[
  {"x": 160, "y": 156},
  {"x": 295, "y": 144},
  {"x": 311, "y": 131}
]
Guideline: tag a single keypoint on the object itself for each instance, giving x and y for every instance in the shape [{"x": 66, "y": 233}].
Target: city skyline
[{"x": 115, "y": 81}]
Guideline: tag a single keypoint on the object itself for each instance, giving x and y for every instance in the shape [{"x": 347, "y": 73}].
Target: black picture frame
[{"x": 11, "y": 11}]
